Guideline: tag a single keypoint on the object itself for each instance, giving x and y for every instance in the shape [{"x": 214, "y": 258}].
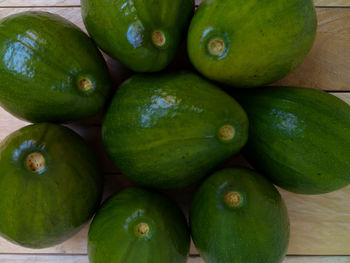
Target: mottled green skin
[
  {"x": 42, "y": 58},
  {"x": 123, "y": 29},
  {"x": 162, "y": 130},
  {"x": 42, "y": 209},
  {"x": 112, "y": 237},
  {"x": 255, "y": 232},
  {"x": 299, "y": 138},
  {"x": 265, "y": 39}
]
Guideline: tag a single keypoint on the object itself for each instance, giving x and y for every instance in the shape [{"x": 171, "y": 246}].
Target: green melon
[
  {"x": 299, "y": 138},
  {"x": 50, "y": 185},
  {"x": 249, "y": 43},
  {"x": 139, "y": 226},
  {"x": 144, "y": 35},
  {"x": 50, "y": 70},
  {"x": 238, "y": 216},
  {"x": 170, "y": 130}
]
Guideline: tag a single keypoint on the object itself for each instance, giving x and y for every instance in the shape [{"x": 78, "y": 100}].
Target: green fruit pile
[{"x": 166, "y": 130}]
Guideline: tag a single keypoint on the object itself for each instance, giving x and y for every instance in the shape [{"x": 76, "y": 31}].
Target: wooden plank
[
  {"x": 39, "y": 3},
  {"x": 77, "y": 3},
  {"x": 339, "y": 259},
  {"x": 334, "y": 3},
  {"x": 84, "y": 259},
  {"x": 70, "y": 13},
  {"x": 326, "y": 67},
  {"x": 343, "y": 3},
  {"x": 43, "y": 259}
]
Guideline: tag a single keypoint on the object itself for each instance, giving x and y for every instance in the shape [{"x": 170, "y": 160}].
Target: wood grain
[
  {"x": 84, "y": 259},
  {"x": 70, "y": 13},
  {"x": 77, "y": 2},
  {"x": 328, "y": 3},
  {"x": 326, "y": 67},
  {"x": 39, "y": 3},
  {"x": 297, "y": 260}
]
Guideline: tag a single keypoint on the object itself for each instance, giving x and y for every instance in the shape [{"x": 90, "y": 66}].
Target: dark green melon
[
  {"x": 50, "y": 185},
  {"x": 138, "y": 226},
  {"x": 249, "y": 43},
  {"x": 50, "y": 70},
  {"x": 170, "y": 130},
  {"x": 238, "y": 216},
  {"x": 299, "y": 138},
  {"x": 144, "y": 35}
]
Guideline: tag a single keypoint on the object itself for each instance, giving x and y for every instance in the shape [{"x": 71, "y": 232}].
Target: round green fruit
[
  {"x": 299, "y": 138},
  {"x": 170, "y": 130},
  {"x": 50, "y": 185},
  {"x": 50, "y": 70},
  {"x": 248, "y": 43},
  {"x": 138, "y": 226},
  {"x": 238, "y": 216},
  {"x": 144, "y": 35}
]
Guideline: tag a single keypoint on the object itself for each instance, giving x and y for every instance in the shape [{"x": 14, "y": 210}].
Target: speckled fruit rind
[
  {"x": 144, "y": 35},
  {"x": 252, "y": 227},
  {"x": 50, "y": 70},
  {"x": 50, "y": 184},
  {"x": 299, "y": 138},
  {"x": 138, "y": 226},
  {"x": 169, "y": 130},
  {"x": 249, "y": 43}
]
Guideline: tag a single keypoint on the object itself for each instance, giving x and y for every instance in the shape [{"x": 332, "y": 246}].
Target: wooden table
[{"x": 320, "y": 225}]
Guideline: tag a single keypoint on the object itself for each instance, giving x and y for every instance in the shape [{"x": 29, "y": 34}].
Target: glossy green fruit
[
  {"x": 299, "y": 138},
  {"x": 144, "y": 35},
  {"x": 50, "y": 70},
  {"x": 138, "y": 226},
  {"x": 169, "y": 130},
  {"x": 238, "y": 216},
  {"x": 50, "y": 185},
  {"x": 249, "y": 43}
]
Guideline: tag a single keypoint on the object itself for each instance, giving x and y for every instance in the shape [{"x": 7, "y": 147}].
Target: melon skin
[
  {"x": 250, "y": 43},
  {"x": 144, "y": 35},
  {"x": 139, "y": 226},
  {"x": 169, "y": 130},
  {"x": 298, "y": 138},
  {"x": 50, "y": 70},
  {"x": 253, "y": 227},
  {"x": 46, "y": 207}
]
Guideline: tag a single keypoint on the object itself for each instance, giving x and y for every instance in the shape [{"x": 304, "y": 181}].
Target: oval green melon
[
  {"x": 249, "y": 43},
  {"x": 144, "y": 35},
  {"x": 138, "y": 226},
  {"x": 50, "y": 70},
  {"x": 50, "y": 185},
  {"x": 238, "y": 216},
  {"x": 169, "y": 130},
  {"x": 299, "y": 138}
]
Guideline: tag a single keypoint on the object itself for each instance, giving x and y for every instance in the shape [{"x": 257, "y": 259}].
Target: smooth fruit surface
[
  {"x": 50, "y": 70},
  {"x": 138, "y": 226},
  {"x": 169, "y": 130},
  {"x": 238, "y": 216},
  {"x": 249, "y": 43},
  {"x": 50, "y": 184},
  {"x": 299, "y": 138},
  {"x": 144, "y": 35}
]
